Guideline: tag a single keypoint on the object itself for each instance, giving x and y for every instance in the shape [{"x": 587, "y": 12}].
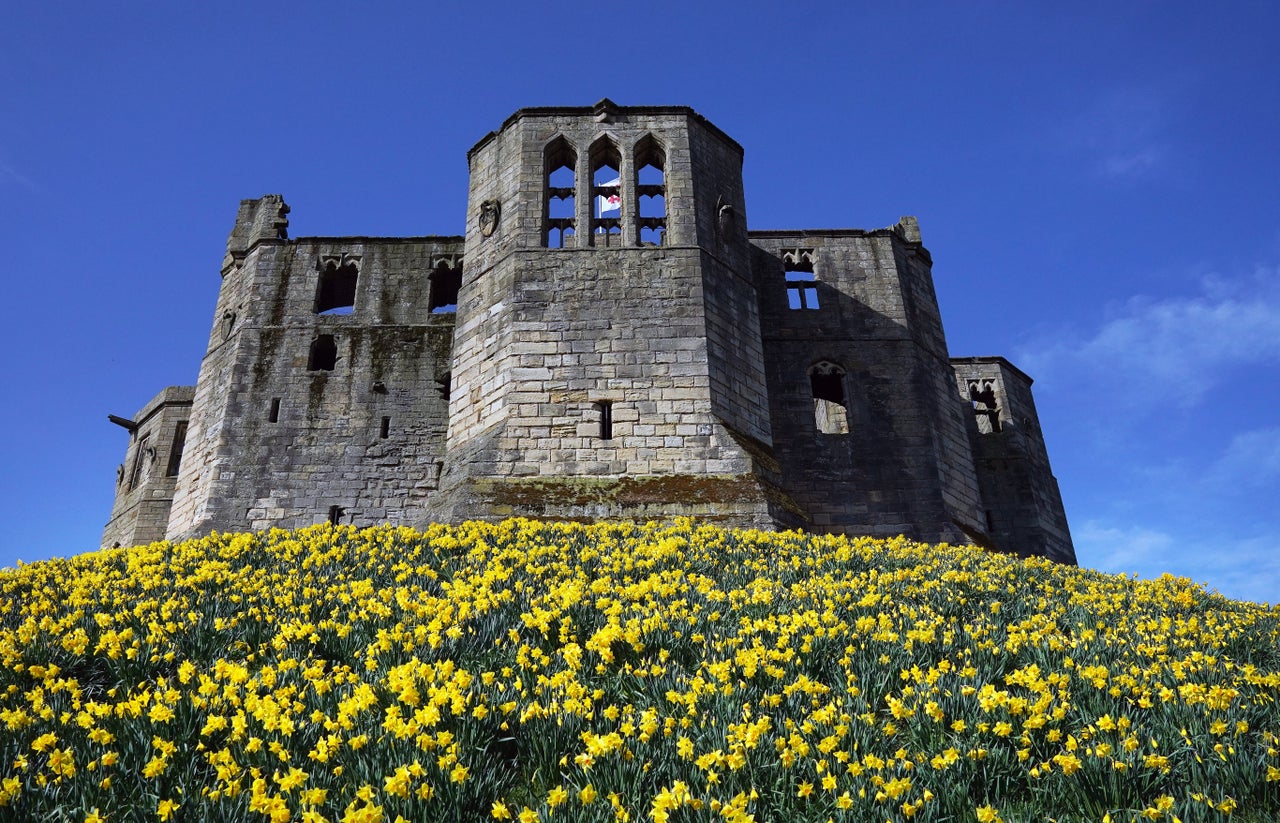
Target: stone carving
[{"x": 490, "y": 213}]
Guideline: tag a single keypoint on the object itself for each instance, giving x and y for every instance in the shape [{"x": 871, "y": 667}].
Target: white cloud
[
  {"x": 1171, "y": 350},
  {"x": 10, "y": 174},
  {"x": 1245, "y": 568},
  {"x": 1251, "y": 460}
]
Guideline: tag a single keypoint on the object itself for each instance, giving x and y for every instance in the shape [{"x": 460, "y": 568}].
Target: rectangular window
[
  {"x": 274, "y": 415},
  {"x": 386, "y": 428},
  {"x": 802, "y": 290},
  {"x": 139, "y": 457},
  {"x": 175, "y": 453}
]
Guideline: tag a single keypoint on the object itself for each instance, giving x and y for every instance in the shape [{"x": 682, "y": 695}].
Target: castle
[{"x": 608, "y": 340}]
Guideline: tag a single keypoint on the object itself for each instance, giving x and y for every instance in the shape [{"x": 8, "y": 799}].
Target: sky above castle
[{"x": 1097, "y": 184}]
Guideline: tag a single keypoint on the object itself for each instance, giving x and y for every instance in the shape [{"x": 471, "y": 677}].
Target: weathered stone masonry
[{"x": 608, "y": 340}]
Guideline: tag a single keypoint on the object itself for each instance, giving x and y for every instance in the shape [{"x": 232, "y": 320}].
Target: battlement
[{"x": 606, "y": 340}]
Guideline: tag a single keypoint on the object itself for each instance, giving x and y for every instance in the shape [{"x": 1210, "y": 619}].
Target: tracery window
[
  {"x": 606, "y": 193},
  {"x": 560, "y": 163},
  {"x": 651, "y": 192},
  {"x": 802, "y": 283}
]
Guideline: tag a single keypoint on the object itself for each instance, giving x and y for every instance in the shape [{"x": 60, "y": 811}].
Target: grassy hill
[{"x": 560, "y": 672}]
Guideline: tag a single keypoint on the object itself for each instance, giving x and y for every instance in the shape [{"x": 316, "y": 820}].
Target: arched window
[
  {"x": 336, "y": 291},
  {"x": 986, "y": 408},
  {"x": 324, "y": 354},
  {"x": 651, "y": 192},
  {"x": 560, "y": 162},
  {"x": 830, "y": 409},
  {"x": 606, "y": 193},
  {"x": 445, "y": 282}
]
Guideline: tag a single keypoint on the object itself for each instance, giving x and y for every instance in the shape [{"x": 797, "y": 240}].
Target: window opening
[
  {"x": 802, "y": 285},
  {"x": 175, "y": 451},
  {"x": 606, "y": 194},
  {"x": 139, "y": 461},
  {"x": 445, "y": 282},
  {"x": 336, "y": 293},
  {"x": 442, "y": 385},
  {"x": 982, "y": 395},
  {"x": 335, "y": 515},
  {"x": 605, "y": 407},
  {"x": 274, "y": 415},
  {"x": 830, "y": 411},
  {"x": 386, "y": 428},
  {"x": 324, "y": 354},
  {"x": 651, "y": 192},
  {"x": 561, "y": 196}
]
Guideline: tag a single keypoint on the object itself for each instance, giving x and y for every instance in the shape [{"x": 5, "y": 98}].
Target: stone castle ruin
[{"x": 608, "y": 340}]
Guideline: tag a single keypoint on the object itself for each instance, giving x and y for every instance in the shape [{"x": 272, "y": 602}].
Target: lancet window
[
  {"x": 606, "y": 193},
  {"x": 651, "y": 192},
  {"x": 560, "y": 163}
]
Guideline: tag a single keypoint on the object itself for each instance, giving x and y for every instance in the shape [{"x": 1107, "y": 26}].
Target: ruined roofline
[
  {"x": 605, "y": 109},
  {"x": 360, "y": 238},
  {"x": 994, "y": 358}
]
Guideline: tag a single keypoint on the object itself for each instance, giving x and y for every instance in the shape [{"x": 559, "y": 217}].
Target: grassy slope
[{"x": 624, "y": 672}]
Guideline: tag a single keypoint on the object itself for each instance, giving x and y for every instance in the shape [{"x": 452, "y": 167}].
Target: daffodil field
[{"x": 661, "y": 672}]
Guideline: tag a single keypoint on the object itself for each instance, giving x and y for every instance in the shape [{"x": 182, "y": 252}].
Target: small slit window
[
  {"x": 324, "y": 354},
  {"x": 445, "y": 282},
  {"x": 605, "y": 411},
  {"x": 335, "y": 515},
  {"x": 561, "y": 195},
  {"x": 175, "y": 451},
  {"x": 385, "y": 431},
  {"x": 336, "y": 292},
  {"x": 273, "y": 416},
  {"x": 830, "y": 409}
]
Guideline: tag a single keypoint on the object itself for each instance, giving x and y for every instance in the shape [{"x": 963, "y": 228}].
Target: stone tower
[{"x": 608, "y": 361}]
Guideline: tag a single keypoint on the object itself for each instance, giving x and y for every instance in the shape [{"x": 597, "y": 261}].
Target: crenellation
[{"x": 650, "y": 358}]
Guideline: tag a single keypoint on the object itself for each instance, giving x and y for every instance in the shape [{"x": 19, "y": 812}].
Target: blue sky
[{"x": 1097, "y": 183}]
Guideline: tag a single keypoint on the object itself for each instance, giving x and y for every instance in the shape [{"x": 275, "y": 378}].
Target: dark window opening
[
  {"x": 442, "y": 385},
  {"x": 651, "y": 192},
  {"x": 561, "y": 195},
  {"x": 175, "y": 452},
  {"x": 139, "y": 461},
  {"x": 991, "y": 522},
  {"x": 335, "y": 515},
  {"x": 830, "y": 411},
  {"x": 274, "y": 415},
  {"x": 606, "y": 194},
  {"x": 605, "y": 407},
  {"x": 324, "y": 354},
  {"x": 445, "y": 283},
  {"x": 982, "y": 395},
  {"x": 386, "y": 428},
  {"x": 336, "y": 293}
]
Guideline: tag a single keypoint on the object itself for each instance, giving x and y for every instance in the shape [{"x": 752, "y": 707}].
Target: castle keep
[{"x": 608, "y": 340}]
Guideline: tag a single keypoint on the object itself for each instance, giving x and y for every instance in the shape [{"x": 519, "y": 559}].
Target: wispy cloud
[
  {"x": 1151, "y": 352},
  {"x": 1123, "y": 133},
  {"x": 1251, "y": 460},
  {"x": 10, "y": 175},
  {"x": 1244, "y": 568}
]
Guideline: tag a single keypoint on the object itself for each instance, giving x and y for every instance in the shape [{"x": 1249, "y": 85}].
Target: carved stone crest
[{"x": 490, "y": 213}]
